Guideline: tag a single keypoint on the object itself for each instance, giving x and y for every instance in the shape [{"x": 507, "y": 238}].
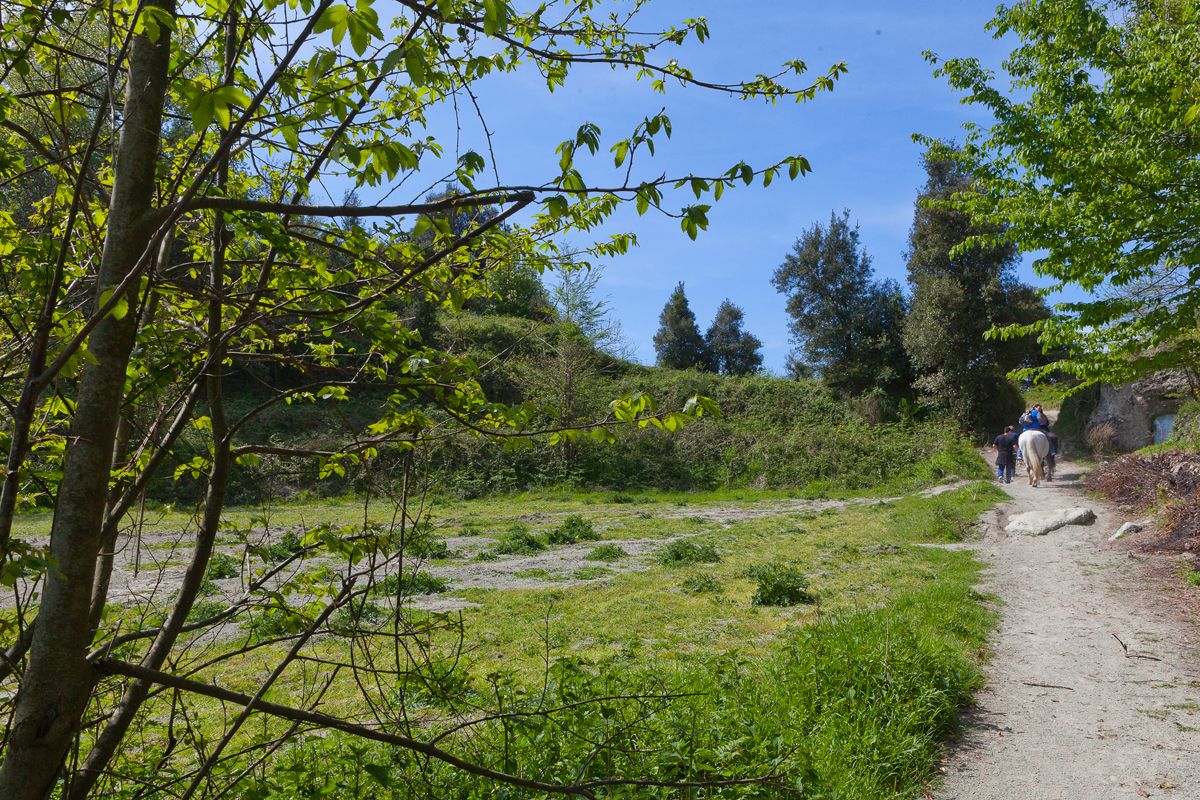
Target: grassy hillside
[{"x": 773, "y": 433}]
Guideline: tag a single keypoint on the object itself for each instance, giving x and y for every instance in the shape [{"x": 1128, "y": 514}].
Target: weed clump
[
  {"x": 288, "y": 545},
  {"x": 518, "y": 541},
  {"x": 780, "y": 585},
  {"x": 423, "y": 543},
  {"x": 702, "y": 583},
  {"x": 415, "y": 582},
  {"x": 685, "y": 551},
  {"x": 222, "y": 565},
  {"x": 607, "y": 552},
  {"x": 574, "y": 528}
]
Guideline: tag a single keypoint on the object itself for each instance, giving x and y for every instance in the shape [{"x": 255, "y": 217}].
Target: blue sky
[{"x": 858, "y": 139}]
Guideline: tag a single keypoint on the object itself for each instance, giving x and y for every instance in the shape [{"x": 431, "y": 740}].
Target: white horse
[{"x": 1034, "y": 447}]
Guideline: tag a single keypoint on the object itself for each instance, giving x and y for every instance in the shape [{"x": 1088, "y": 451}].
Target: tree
[
  {"x": 1090, "y": 161},
  {"x": 678, "y": 342},
  {"x": 732, "y": 350},
  {"x": 178, "y": 244},
  {"x": 847, "y": 325},
  {"x": 958, "y": 293}
]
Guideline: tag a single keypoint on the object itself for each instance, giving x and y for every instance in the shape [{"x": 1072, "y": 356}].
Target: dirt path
[{"x": 1121, "y": 726}]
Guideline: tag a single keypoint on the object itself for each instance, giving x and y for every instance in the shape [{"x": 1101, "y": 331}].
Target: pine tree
[
  {"x": 678, "y": 342},
  {"x": 732, "y": 350}
]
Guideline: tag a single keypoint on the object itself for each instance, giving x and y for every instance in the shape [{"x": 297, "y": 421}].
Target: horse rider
[{"x": 1035, "y": 419}]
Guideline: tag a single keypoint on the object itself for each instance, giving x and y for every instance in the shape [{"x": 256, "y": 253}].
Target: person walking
[{"x": 1006, "y": 459}]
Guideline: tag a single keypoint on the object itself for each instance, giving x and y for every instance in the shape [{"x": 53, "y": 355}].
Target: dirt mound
[{"x": 1165, "y": 482}]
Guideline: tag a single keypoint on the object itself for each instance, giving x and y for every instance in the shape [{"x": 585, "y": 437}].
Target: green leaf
[{"x": 380, "y": 773}]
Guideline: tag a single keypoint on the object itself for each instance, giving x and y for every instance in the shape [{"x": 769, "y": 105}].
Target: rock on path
[
  {"x": 1093, "y": 689},
  {"x": 1041, "y": 521}
]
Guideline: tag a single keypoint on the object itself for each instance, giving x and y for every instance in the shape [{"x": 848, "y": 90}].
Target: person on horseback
[{"x": 1034, "y": 419}]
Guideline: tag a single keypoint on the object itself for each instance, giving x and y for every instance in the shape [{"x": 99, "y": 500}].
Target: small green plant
[
  {"x": 470, "y": 529},
  {"x": 702, "y": 583},
  {"x": 1192, "y": 576},
  {"x": 574, "y": 528},
  {"x": 352, "y": 618},
  {"x": 685, "y": 551},
  {"x": 288, "y": 545},
  {"x": 203, "y": 609},
  {"x": 419, "y": 582},
  {"x": 518, "y": 541},
  {"x": 275, "y": 621},
  {"x": 780, "y": 585},
  {"x": 607, "y": 552},
  {"x": 622, "y": 498},
  {"x": 221, "y": 566},
  {"x": 422, "y": 542}
]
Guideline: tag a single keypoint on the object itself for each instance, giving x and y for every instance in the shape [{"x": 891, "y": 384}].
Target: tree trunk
[{"x": 58, "y": 680}]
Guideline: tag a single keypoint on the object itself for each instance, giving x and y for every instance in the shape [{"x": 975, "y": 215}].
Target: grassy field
[
  {"x": 769, "y": 647},
  {"x": 797, "y": 649}
]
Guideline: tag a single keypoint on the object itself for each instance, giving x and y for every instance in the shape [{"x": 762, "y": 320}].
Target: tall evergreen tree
[
  {"x": 732, "y": 351},
  {"x": 957, "y": 295},
  {"x": 847, "y": 325},
  {"x": 678, "y": 342}
]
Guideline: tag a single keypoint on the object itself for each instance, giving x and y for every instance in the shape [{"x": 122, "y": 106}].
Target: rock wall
[{"x": 1123, "y": 418}]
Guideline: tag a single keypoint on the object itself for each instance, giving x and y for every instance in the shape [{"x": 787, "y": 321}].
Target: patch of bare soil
[{"x": 1093, "y": 690}]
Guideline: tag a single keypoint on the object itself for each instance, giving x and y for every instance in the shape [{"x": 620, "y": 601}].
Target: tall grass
[{"x": 851, "y": 707}]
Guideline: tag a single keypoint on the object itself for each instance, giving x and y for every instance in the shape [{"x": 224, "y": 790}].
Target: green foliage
[
  {"x": 423, "y": 543},
  {"x": 732, "y": 351},
  {"x": 606, "y": 552},
  {"x": 413, "y": 582},
  {"x": 285, "y": 546},
  {"x": 518, "y": 541},
  {"x": 958, "y": 294},
  {"x": 1089, "y": 159},
  {"x": 852, "y": 706},
  {"x": 223, "y": 565},
  {"x": 780, "y": 585},
  {"x": 575, "y": 528},
  {"x": 678, "y": 343},
  {"x": 702, "y": 583},
  {"x": 685, "y": 551},
  {"x": 846, "y": 323}
]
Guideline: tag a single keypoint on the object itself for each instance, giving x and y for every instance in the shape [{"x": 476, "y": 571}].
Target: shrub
[
  {"x": 574, "y": 528},
  {"x": 702, "y": 583},
  {"x": 607, "y": 552},
  {"x": 287, "y": 545},
  {"x": 780, "y": 585},
  {"x": 203, "y": 609},
  {"x": 350, "y": 619},
  {"x": 415, "y": 582},
  {"x": 685, "y": 551},
  {"x": 518, "y": 541},
  {"x": 422, "y": 542},
  {"x": 221, "y": 566}
]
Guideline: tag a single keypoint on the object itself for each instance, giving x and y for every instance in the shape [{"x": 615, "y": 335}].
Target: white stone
[
  {"x": 1039, "y": 523},
  {"x": 1128, "y": 527}
]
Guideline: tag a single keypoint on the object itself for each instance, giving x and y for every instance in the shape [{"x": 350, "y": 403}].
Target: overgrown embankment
[
  {"x": 772, "y": 433},
  {"x": 1165, "y": 483}
]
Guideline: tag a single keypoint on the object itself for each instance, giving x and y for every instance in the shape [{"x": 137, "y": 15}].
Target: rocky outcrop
[{"x": 1124, "y": 417}]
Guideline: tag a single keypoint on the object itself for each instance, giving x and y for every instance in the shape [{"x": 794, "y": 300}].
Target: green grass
[{"x": 850, "y": 695}]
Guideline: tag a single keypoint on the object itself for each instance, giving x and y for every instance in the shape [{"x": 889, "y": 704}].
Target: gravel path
[{"x": 1108, "y": 723}]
